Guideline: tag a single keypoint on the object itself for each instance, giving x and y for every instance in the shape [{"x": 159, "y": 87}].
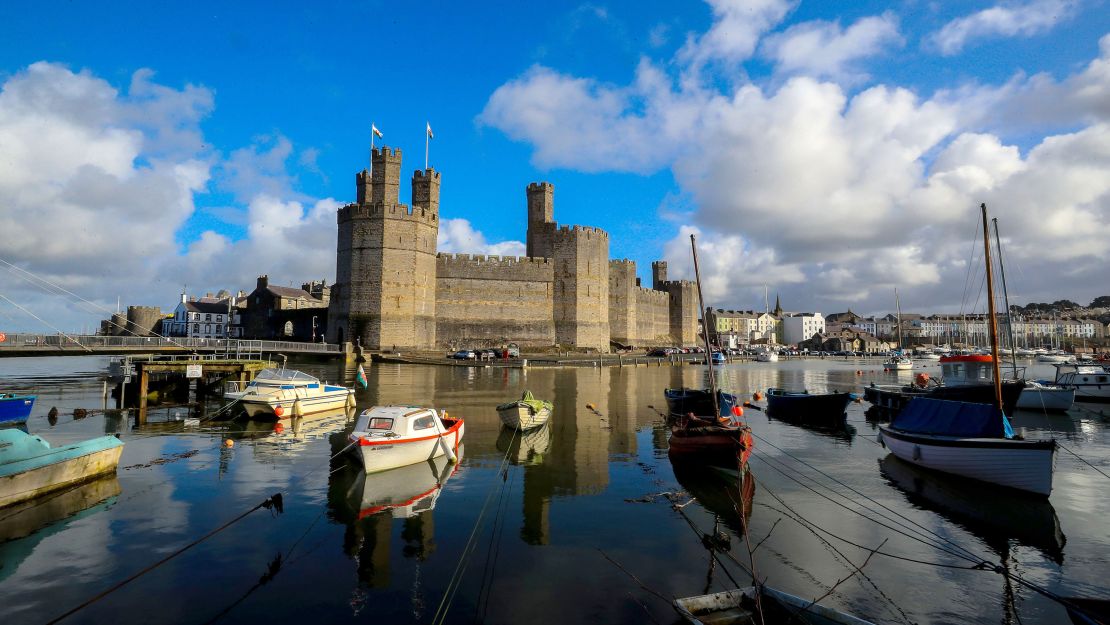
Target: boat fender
[
  {"x": 916, "y": 452},
  {"x": 882, "y": 443},
  {"x": 278, "y": 410},
  {"x": 351, "y": 399},
  {"x": 278, "y": 428},
  {"x": 298, "y": 409}
]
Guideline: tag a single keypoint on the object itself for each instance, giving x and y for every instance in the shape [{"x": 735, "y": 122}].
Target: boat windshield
[{"x": 285, "y": 375}]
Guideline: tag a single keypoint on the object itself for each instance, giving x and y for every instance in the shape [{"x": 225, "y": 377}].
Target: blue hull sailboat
[{"x": 15, "y": 409}]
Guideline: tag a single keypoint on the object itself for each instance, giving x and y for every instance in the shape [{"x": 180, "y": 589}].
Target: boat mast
[
  {"x": 705, "y": 334},
  {"x": 1006, "y": 297},
  {"x": 898, "y": 311},
  {"x": 993, "y": 323}
]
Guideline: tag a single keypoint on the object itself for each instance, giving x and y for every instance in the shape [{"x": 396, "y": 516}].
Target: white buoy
[{"x": 298, "y": 409}]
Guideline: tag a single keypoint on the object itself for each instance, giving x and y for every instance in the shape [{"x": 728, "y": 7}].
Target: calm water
[{"x": 580, "y": 490}]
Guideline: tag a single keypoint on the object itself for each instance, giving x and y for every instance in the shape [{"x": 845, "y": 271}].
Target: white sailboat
[{"x": 972, "y": 440}]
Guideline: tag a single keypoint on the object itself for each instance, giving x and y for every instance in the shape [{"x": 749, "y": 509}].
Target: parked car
[
  {"x": 464, "y": 354},
  {"x": 659, "y": 352},
  {"x": 514, "y": 351}
]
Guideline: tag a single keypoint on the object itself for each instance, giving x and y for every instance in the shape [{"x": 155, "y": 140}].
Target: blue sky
[{"x": 644, "y": 115}]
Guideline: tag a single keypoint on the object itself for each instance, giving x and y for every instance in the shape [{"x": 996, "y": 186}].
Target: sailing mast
[
  {"x": 1006, "y": 297},
  {"x": 898, "y": 310},
  {"x": 705, "y": 335},
  {"x": 993, "y": 324}
]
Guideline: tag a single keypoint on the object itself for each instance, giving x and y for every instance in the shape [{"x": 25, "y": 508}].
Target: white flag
[
  {"x": 430, "y": 135},
  {"x": 376, "y": 132}
]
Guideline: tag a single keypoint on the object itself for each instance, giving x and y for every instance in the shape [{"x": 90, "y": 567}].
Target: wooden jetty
[{"x": 207, "y": 373}]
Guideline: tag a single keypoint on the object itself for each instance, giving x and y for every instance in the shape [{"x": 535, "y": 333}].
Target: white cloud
[
  {"x": 737, "y": 27},
  {"x": 459, "y": 236},
  {"x": 824, "y": 49},
  {"x": 1006, "y": 20},
  {"x": 842, "y": 194}
]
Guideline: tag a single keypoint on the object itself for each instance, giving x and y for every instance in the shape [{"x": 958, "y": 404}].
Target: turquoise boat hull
[{"x": 30, "y": 467}]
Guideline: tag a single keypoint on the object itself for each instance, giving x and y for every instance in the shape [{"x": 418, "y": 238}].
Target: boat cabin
[
  {"x": 1082, "y": 374},
  {"x": 967, "y": 370},
  {"x": 282, "y": 378},
  {"x": 397, "y": 421}
]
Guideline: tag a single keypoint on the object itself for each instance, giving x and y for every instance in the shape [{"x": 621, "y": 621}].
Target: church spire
[{"x": 778, "y": 306}]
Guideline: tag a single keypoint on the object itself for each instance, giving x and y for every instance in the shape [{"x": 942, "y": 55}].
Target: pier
[{"x": 85, "y": 345}]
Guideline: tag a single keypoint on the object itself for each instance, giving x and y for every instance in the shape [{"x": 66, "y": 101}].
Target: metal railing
[{"x": 231, "y": 347}]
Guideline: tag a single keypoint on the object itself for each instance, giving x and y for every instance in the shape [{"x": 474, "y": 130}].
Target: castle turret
[
  {"x": 385, "y": 277},
  {"x": 425, "y": 190},
  {"x": 658, "y": 274},
  {"x": 386, "y": 175},
  {"x": 541, "y": 219},
  {"x": 364, "y": 187}
]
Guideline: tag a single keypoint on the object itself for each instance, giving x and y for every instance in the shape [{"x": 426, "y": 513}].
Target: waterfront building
[
  {"x": 279, "y": 312},
  {"x": 208, "y": 317},
  {"x": 393, "y": 290},
  {"x": 798, "y": 327}
]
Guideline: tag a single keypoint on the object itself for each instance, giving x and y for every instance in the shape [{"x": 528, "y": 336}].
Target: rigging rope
[{"x": 45, "y": 322}]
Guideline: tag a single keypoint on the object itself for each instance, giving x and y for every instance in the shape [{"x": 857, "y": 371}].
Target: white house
[
  {"x": 207, "y": 317},
  {"x": 798, "y": 327}
]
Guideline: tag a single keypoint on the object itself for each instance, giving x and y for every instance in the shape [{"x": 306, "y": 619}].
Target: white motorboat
[
  {"x": 767, "y": 355},
  {"x": 1091, "y": 383},
  {"x": 387, "y": 437},
  {"x": 931, "y": 356},
  {"x": 1056, "y": 359},
  {"x": 30, "y": 467},
  {"x": 1039, "y": 396},
  {"x": 898, "y": 363},
  {"x": 969, "y": 440},
  {"x": 525, "y": 413},
  {"x": 284, "y": 393}
]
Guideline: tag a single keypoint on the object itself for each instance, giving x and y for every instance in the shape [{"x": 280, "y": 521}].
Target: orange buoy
[
  {"x": 278, "y": 428},
  {"x": 229, "y": 443},
  {"x": 757, "y": 396},
  {"x": 278, "y": 410},
  {"x": 737, "y": 411}
]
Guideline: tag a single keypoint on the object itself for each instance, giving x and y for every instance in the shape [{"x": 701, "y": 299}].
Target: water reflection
[
  {"x": 43, "y": 517},
  {"x": 727, "y": 493},
  {"x": 992, "y": 514},
  {"x": 524, "y": 448},
  {"x": 843, "y": 432}
]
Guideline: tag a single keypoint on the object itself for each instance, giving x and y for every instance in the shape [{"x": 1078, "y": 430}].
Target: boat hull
[
  {"x": 1046, "y": 398},
  {"x": 822, "y": 409},
  {"x": 890, "y": 400},
  {"x": 718, "y": 607},
  {"x": 382, "y": 455},
  {"x": 16, "y": 410},
  {"x": 263, "y": 407},
  {"x": 1022, "y": 465},
  {"x": 520, "y": 416},
  {"x": 59, "y": 468},
  {"x": 685, "y": 401}
]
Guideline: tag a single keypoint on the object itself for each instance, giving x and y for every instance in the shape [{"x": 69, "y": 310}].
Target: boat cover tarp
[{"x": 940, "y": 417}]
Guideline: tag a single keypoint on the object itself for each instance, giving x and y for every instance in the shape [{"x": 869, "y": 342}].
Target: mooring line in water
[
  {"x": 468, "y": 549},
  {"x": 273, "y": 502},
  {"x": 494, "y": 548},
  {"x": 1082, "y": 459}
]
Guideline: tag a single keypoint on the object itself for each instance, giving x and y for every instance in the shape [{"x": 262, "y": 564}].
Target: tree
[{"x": 1102, "y": 301}]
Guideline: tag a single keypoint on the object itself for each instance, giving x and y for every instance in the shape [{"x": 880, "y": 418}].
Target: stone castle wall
[
  {"x": 653, "y": 318},
  {"x": 493, "y": 300},
  {"x": 581, "y": 258},
  {"x": 683, "y": 310}
]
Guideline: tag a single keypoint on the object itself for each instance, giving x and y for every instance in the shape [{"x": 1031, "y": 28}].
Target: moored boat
[
  {"x": 525, "y": 413},
  {"x": 283, "y": 393},
  {"x": 759, "y": 604},
  {"x": 405, "y": 491},
  {"x": 967, "y": 378},
  {"x": 823, "y": 408},
  {"x": 1040, "y": 396},
  {"x": 15, "y": 409},
  {"x": 898, "y": 362},
  {"x": 387, "y": 437},
  {"x": 766, "y": 355},
  {"x": 697, "y": 401},
  {"x": 30, "y": 467},
  {"x": 1091, "y": 383}
]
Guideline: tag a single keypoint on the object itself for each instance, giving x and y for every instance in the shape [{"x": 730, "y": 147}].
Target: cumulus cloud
[
  {"x": 824, "y": 49},
  {"x": 737, "y": 27},
  {"x": 459, "y": 236},
  {"x": 1005, "y": 20},
  {"x": 844, "y": 194}
]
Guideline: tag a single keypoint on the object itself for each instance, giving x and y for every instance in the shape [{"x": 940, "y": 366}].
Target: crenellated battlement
[
  {"x": 352, "y": 212},
  {"x": 587, "y": 232},
  {"x": 540, "y": 186},
  {"x": 430, "y": 173},
  {"x": 479, "y": 266},
  {"x": 386, "y": 152},
  {"x": 624, "y": 262},
  {"x": 660, "y": 296}
]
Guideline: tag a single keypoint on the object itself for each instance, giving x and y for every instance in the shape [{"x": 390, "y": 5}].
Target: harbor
[{"x": 593, "y": 488}]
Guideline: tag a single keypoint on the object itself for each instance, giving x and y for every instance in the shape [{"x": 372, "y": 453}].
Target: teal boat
[{"x": 30, "y": 467}]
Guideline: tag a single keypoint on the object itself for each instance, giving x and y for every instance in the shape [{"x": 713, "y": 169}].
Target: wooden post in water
[
  {"x": 990, "y": 310},
  {"x": 144, "y": 382}
]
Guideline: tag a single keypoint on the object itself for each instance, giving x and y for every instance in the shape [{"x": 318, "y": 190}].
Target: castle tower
[
  {"x": 658, "y": 274},
  {"x": 623, "y": 309},
  {"x": 384, "y": 293},
  {"x": 541, "y": 219},
  {"x": 364, "y": 187},
  {"x": 581, "y": 289}
]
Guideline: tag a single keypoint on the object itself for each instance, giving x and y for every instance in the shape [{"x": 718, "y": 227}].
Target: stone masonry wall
[
  {"x": 489, "y": 301},
  {"x": 622, "y": 302},
  {"x": 653, "y": 318},
  {"x": 581, "y": 292},
  {"x": 683, "y": 305}
]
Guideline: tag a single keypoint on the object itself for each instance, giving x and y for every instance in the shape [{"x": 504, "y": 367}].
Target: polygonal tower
[
  {"x": 541, "y": 219},
  {"x": 384, "y": 294}
]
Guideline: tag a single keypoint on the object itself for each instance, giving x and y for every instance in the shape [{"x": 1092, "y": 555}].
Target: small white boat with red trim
[
  {"x": 387, "y": 437},
  {"x": 284, "y": 393}
]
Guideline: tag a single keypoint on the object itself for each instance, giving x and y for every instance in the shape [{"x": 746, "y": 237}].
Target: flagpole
[
  {"x": 372, "y": 146},
  {"x": 425, "y": 148}
]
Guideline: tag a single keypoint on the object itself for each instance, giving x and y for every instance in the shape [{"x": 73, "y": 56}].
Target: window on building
[
  {"x": 208, "y": 328},
  {"x": 196, "y": 328},
  {"x": 208, "y": 317},
  {"x": 219, "y": 318}
]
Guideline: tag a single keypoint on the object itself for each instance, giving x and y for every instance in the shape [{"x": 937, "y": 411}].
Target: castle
[{"x": 393, "y": 290}]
